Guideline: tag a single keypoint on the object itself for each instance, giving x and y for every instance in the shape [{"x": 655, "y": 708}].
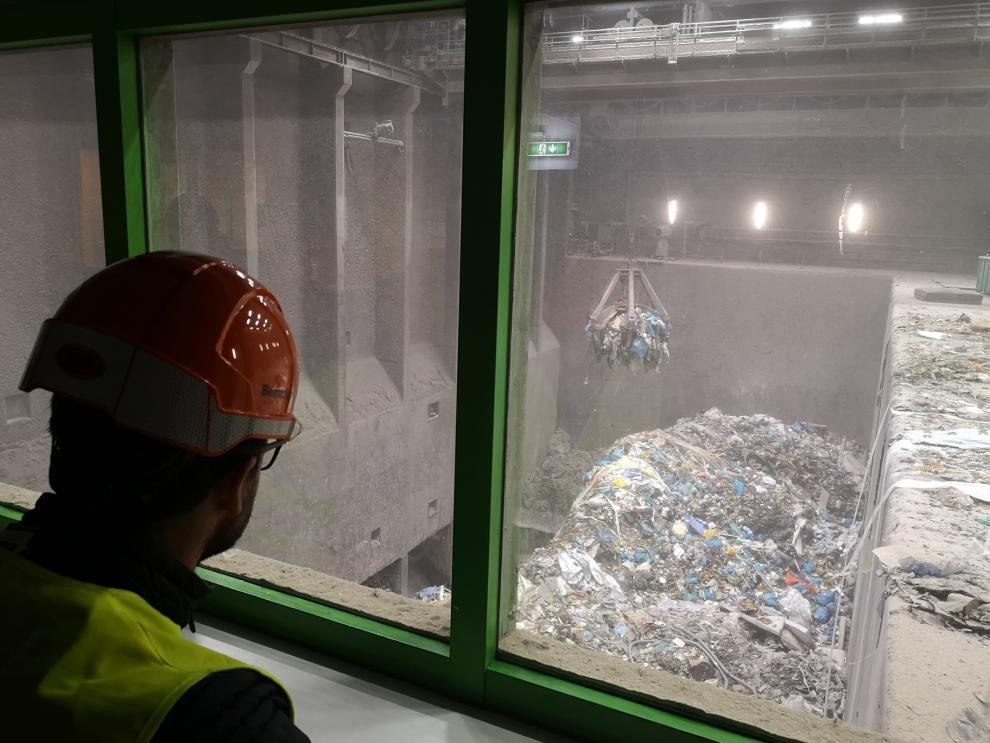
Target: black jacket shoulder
[{"x": 236, "y": 706}]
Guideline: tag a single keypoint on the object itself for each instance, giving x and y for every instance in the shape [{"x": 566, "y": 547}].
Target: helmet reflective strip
[
  {"x": 144, "y": 392},
  {"x": 180, "y": 404},
  {"x": 226, "y": 429},
  {"x": 44, "y": 372}
]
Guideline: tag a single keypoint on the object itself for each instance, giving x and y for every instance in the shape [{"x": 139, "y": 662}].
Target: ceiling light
[
  {"x": 855, "y": 216},
  {"x": 880, "y": 19},
  {"x": 760, "y": 215},
  {"x": 793, "y": 23}
]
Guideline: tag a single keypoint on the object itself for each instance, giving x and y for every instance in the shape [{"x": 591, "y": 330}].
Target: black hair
[{"x": 126, "y": 474}]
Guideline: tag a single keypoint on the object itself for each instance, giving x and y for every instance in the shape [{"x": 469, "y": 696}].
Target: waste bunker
[
  {"x": 698, "y": 517},
  {"x": 775, "y": 511}
]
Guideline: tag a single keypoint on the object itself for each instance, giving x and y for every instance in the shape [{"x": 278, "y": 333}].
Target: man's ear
[{"x": 232, "y": 494}]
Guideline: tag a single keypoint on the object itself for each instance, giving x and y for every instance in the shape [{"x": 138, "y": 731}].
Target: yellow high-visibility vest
[{"x": 88, "y": 664}]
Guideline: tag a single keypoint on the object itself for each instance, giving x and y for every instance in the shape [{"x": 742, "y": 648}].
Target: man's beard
[{"x": 228, "y": 532}]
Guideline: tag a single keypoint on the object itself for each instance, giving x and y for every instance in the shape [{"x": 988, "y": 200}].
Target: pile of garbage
[
  {"x": 637, "y": 339},
  {"x": 712, "y": 549}
]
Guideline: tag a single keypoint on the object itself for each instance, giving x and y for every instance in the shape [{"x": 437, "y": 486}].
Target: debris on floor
[
  {"x": 963, "y": 604},
  {"x": 711, "y": 549},
  {"x": 434, "y": 594},
  {"x": 973, "y": 724},
  {"x": 938, "y": 470},
  {"x": 949, "y": 294}
]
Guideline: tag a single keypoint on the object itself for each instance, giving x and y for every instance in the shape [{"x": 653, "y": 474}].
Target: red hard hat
[{"x": 185, "y": 348}]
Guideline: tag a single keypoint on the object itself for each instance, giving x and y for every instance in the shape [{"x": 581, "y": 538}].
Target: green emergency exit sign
[{"x": 549, "y": 149}]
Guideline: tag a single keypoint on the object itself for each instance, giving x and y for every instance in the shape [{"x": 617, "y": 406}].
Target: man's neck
[{"x": 113, "y": 556}]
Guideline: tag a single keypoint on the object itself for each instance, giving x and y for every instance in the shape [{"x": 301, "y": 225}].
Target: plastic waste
[
  {"x": 580, "y": 571},
  {"x": 825, "y": 598},
  {"x": 796, "y": 607},
  {"x": 434, "y": 594},
  {"x": 938, "y": 566}
]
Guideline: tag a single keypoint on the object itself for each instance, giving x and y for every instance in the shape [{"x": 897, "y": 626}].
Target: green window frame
[{"x": 467, "y": 668}]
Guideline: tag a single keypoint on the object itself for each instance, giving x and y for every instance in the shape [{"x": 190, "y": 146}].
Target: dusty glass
[
  {"x": 325, "y": 160},
  {"x": 51, "y": 232},
  {"x": 747, "y": 460}
]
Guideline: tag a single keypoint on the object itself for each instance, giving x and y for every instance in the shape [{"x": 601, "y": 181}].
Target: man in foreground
[{"x": 173, "y": 379}]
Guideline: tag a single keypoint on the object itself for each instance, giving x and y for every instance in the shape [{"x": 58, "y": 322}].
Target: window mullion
[
  {"x": 118, "y": 121},
  {"x": 490, "y": 115}
]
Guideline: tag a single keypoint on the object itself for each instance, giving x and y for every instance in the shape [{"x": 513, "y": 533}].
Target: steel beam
[
  {"x": 846, "y": 123},
  {"x": 372, "y": 138},
  {"x": 541, "y": 209},
  {"x": 782, "y": 79},
  {"x": 334, "y": 55},
  {"x": 343, "y": 84},
  {"x": 410, "y": 99},
  {"x": 250, "y": 161}
]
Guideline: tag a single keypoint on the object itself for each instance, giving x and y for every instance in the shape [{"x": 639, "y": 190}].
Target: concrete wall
[
  {"x": 352, "y": 501},
  {"x": 799, "y": 344},
  {"x": 923, "y": 196},
  {"x": 865, "y": 698},
  {"x": 547, "y": 219},
  {"x": 934, "y": 186},
  {"x": 541, "y": 417},
  {"x": 51, "y": 231},
  {"x": 371, "y": 477}
]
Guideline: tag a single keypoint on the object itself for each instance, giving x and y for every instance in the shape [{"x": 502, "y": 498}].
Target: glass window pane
[
  {"x": 326, "y": 161},
  {"x": 722, "y": 218},
  {"x": 51, "y": 232}
]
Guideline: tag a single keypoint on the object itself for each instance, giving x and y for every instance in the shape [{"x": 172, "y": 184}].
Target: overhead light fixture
[
  {"x": 672, "y": 211},
  {"x": 577, "y": 38},
  {"x": 760, "y": 215},
  {"x": 880, "y": 19},
  {"x": 855, "y": 216},
  {"x": 793, "y": 23}
]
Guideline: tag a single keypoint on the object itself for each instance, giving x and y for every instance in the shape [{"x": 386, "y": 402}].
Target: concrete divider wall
[
  {"x": 542, "y": 379},
  {"x": 868, "y": 629},
  {"x": 371, "y": 477}
]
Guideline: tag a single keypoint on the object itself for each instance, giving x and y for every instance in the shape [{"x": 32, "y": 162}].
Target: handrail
[{"x": 942, "y": 24}]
